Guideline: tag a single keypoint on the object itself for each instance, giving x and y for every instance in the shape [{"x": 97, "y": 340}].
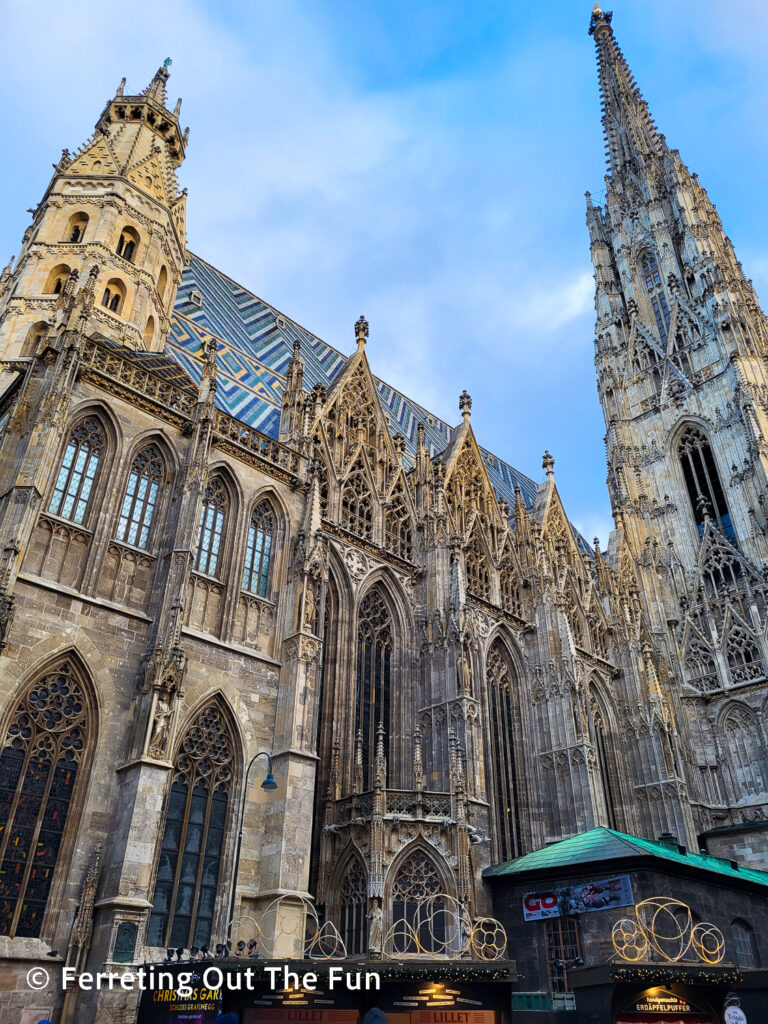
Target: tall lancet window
[
  {"x": 598, "y": 736},
  {"x": 195, "y": 823},
  {"x": 416, "y": 880},
  {"x": 258, "y": 554},
  {"x": 504, "y": 767},
  {"x": 78, "y": 471},
  {"x": 353, "y": 907},
  {"x": 656, "y": 294},
  {"x": 39, "y": 768},
  {"x": 212, "y": 515},
  {"x": 140, "y": 499},
  {"x": 703, "y": 481},
  {"x": 374, "y": 677},
  {"x": 744, "y": 749}
]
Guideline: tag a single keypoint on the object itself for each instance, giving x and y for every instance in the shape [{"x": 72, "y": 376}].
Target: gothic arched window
[
  {"x": 39, "y": 767},
  {"x": 703, "y": 481},
  {"x": 78, "y": 471},
  {"x": 258, "y": 553},
  {"x": 374, "y": 676},
  {"x": 700, "y": 669},
  {"x": 656, "y": 293},
  {"x": 397, "y": 529},
  {"x": 417, "y": 879},
  {"x": 504, "y": 770},
  {"x": 195, "y": 823},
  {"x": 212, "y": 516},
  {"x": 745, "y": 753},
  {"x": 353, "y": 907},
  {"x": 140, "y": 499},
  {"x": 357, "y": 506},
  {"x": 744, "y": 944},
  {"x": 598, "y": 735},
  {"x": 744, "y": 661}
]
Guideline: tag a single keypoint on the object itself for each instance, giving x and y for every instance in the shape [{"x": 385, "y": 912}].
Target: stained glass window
[
  {"x": 78, "y": 471},
  {"x": 141, "y": 495},
  {"x": 374, "y": 668},
  {"x": 195, "y": 822},
  {"x": 38, "y": 771},
  {"x": 212, "y": 516},
  {"x": 258, "y": 554}
]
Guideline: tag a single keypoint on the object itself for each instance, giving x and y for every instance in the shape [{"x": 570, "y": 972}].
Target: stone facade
[{"x": 444, "y": 678}]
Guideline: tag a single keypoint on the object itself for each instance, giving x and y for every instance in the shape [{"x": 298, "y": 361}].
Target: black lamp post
[{"x": 268, "y": 785}]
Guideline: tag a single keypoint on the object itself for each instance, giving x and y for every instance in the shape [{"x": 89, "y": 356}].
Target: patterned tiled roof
[
  {"x": 255, "y": 344},
  {"x": 605, "y": 844}
]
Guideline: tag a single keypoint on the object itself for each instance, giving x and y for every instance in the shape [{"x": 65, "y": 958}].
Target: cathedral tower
[
  {"x": 681, "y": 343},
  {"x": 113, "y": 217}
]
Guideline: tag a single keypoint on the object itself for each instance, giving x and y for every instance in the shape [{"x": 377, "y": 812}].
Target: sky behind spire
[{"x": 425, "y": 162}]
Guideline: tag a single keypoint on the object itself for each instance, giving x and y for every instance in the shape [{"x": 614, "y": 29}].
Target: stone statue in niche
[
  {"x": 465, "y": 673},
  {"x": 310, "y": 606},
  {"x": 376, "y": 929},
  {"x": 161, "y": 725}
]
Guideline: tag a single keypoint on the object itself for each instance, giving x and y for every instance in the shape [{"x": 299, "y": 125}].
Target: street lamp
[{"x": 268, "y": 785}]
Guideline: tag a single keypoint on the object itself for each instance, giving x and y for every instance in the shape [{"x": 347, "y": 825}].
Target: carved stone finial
[
  {"x": 120, "y": 88},
  {"x": 465, "y": 404},
  {"x": 361, "y": 331},
  {"x": 548, "y": 463},
  {"x": 703, "y": 507}
]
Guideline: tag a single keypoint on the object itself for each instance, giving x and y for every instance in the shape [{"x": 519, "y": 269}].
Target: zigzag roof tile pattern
[{"x": 255, "y": 344}]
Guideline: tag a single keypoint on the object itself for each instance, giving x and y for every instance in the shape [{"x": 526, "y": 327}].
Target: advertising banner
[{"x": 578, "y": 899}]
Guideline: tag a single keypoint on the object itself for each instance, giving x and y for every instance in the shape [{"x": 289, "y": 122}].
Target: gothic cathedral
[{"x": 221, "y": 538}]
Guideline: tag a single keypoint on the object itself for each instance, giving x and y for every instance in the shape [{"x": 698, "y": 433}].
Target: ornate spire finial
[
  {"x": 361, "y": 331},
  {"x": 465, "y": 404},
  {"x": 548, "y": 463},
  {"x": 156, "y": 88},
  {"x": 120, "y": 88}
]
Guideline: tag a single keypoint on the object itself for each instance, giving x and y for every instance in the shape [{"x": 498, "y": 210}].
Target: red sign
[{"x": 568, "y": 900}]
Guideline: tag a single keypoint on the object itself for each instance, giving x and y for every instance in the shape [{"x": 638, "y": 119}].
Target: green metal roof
[{"x": 605, "y": 844}]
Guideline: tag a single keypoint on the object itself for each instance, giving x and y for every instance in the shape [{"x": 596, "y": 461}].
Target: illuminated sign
[
  {"x": 578, "y": 899},
  {"x": 659, "y": 1004}
]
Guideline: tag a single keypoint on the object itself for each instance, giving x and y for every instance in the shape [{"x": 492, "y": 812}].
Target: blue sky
[{"x": 422, "y": 162}]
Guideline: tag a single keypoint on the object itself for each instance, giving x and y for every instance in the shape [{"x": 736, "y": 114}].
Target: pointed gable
[{"x": 96, "y": 157}]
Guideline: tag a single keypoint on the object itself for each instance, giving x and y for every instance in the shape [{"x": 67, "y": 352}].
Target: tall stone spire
[
  {"x": 680, "y": 351},
  {"x": 631, "y": 138}
]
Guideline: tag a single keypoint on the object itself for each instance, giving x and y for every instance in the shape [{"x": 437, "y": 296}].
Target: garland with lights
[
  {"x": 681, "y": 975},
  {"x": 456, "y": 971}
]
